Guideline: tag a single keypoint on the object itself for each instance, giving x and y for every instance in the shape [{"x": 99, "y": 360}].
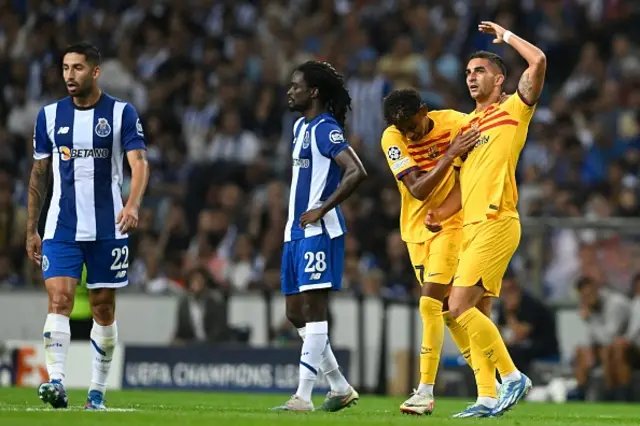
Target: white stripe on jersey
[
  {"x": 84, "y": 170},
  {"x": 294, "y": 177},
  {"x": 54, "y": 208},
  {"x": 116, "y": 165},
  {"x": 320, "y": 170}
]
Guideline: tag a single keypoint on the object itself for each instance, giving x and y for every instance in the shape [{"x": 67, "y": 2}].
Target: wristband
[{"x": 506, "y": 36}]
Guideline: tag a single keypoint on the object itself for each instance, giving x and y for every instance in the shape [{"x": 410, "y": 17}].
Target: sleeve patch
[
  {"x": 336, "y": 136},
  {"x": 394, "y": 153}
]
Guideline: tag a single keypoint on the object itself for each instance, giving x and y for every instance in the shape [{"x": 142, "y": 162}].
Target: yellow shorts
[
  {"x": 436, "y": 260},
  {"x": 487, "y": 248}
]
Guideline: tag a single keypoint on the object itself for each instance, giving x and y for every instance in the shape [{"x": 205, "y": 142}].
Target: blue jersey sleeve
[
  {"x": 330, "y": 139},
  {"x": 42, "y": 146},
  {"x": 132, "y": 133}
]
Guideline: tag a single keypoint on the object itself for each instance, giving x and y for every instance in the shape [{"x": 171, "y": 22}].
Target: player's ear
[
  {"x": 499, "y": 79},
  {"x": 423, "y": 111},
  {"x": 96, "y": 71},
  {"x": 314, "y": 93}
]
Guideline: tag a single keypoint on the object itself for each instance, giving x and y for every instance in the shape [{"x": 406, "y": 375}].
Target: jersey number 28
[
  {"x": 316, "y": 262},
  {"x": 120, "y": 258}
]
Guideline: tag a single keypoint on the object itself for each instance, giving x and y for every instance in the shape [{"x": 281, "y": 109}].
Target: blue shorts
[
  {"x": 107, "y": 261},
  {"x": 311, "y": 264}
]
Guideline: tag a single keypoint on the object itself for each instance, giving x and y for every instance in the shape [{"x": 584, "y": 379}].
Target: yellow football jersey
[
  {"x": 488, "y": 174},
  {"x": 404, "y": 156}
]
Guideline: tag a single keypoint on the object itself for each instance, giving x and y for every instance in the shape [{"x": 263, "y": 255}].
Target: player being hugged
[
  {"x": 82, "y": 139},
  {"x": 312, "y": 257},
  {"x": 488, "y": 195}
]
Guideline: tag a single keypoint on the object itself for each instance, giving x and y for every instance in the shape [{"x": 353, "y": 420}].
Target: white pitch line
[{"x": 45, "y": 409}]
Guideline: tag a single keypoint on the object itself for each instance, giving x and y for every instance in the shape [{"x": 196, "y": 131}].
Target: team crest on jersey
[
  {"x": 336, "y": 136},
  {"x": 394, "y": 153},
  {"x": 45, "y": 263},
  {"x": 306, "y": 140},
  {"x": 138, "y": 128},
  {"x": 433, "y": 152},
  {"x": 103, "y": 129}
]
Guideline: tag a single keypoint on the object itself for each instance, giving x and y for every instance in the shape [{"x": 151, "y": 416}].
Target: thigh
[
  {"x": 442, "y": 257},
  {"x": 319, "y": 263},
  {"x": 62, "y": 259},
  {"x": 107, "y": 263},
  {"x": 487, "y": 251}
]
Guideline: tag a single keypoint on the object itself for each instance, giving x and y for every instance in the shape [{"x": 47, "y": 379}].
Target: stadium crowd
[{"x": 209, "y": 79}]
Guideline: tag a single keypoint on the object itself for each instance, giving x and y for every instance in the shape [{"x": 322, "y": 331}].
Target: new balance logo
[
  {"x": 121, "y": 274},
  {"x": 63, "y": 130},
  {"x": 315, "y": 276}
]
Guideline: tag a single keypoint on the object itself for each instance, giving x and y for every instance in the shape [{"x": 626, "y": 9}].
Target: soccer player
[
  {"x": 488, "y": 196},
  {"x": 420, "y": 147},
  {"x": 82, "y": 139},
  {"x": 312, "y": 257}
]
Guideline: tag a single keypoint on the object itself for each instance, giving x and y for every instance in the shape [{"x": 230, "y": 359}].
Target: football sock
[
  {"x": 432, "y": 339},
  {"x": 460, "y": 337},
  {"x": 57, "y": 336},
  {"x": 103, "y": 342},
  {"x": 329, "y": 366},
  {"x": 312, "y": 348},
  {"x": 485, "y": 373},
  {"x": 485, "y": 334}
]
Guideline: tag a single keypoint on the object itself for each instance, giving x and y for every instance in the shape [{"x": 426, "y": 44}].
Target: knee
[
  {"x": 103, "y": 313},
  {"x": 61, "y": 302},
  {"x": 295, "y": 316},
  {"x": 457, "y": 306}
]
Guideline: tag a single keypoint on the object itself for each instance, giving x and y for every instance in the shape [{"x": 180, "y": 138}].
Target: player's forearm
[
  {"x": 531, "y": 53},
  {"x": 451, "y": 205},
  {"x": 353, "y": 176},
  {"x": 139, "y": 179},
  {"x": 38, "y": 183},
  {"x": 423, "y": 187}
]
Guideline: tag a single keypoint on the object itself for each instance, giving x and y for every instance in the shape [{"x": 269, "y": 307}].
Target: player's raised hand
[
  {"x": 127, "y": 219},
  {"x": 489, "y": 27},
  {"x": 34, "y": 247},
  {"x": 464, "y": 142},
  {"x": 432, "y": 221},
  {"x": 310, "y": 217}
]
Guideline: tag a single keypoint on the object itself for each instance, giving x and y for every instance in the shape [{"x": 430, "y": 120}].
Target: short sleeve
[
  {"x": 42, "y": 146},
  {"x": 330, "y": 139},
  {"x": 132, "y": 132},
  {"x": 396, "y": 153},
  {"x": 519, "y": 108}
]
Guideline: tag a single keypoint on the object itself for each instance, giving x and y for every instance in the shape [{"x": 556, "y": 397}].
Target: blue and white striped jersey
[
  {"x": 87, "y": 147},
  {"x": 315, "y": 176}
]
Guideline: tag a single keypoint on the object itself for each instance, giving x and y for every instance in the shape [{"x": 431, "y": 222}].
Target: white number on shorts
[
  {"x": 316, "y": 262},
  {"x": 120, "y": 258}
]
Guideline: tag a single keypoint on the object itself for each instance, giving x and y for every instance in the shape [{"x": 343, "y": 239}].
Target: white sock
[
  {"x": 103, "y": 342},
  {"x": 511, "y": 377},
  {"x": 487, "y": 401},
  {"x": 57, "y": 336},
  {"x": 331, "y": 369},
  {"x": 424, "y": 389},
  {"x": 311, "y": 357},
  {"x": 329, "y": 366}
]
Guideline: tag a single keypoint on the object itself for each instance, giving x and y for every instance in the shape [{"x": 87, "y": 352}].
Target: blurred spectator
[
  {"x": 626, "y": 348},
  {"x": 202, "y": 312},
  {"x": 605, "y": 314},
  {"x": 528, "y": 326}
]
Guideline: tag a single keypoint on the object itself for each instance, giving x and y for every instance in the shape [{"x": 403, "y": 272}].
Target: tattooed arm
[
  {"x": 532, "y": 80},
  {"x": 38, "y": 184},
  {"x": 128, "y": 217}
]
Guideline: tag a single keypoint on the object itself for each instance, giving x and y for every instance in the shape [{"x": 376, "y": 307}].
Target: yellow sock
[
  {"x": 484, "y": 371},
  {"x": 485, "y": 334},
  {"x": 432, "y": 339},
  {"x": 460, "y": 337}
]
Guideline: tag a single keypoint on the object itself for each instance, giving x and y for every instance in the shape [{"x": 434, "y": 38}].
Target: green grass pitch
[{"x": 133, "y": 408}]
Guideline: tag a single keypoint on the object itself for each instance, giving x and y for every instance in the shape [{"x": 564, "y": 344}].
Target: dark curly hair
[
  {"x": 401, "y": 105},
  {"x": 330, "y": 84}
]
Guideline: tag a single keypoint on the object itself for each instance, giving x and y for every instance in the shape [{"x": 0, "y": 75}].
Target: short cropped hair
[
  {"x": 491, "y": 57},
  {"x": 401, "y": 105},
  {"x": 90, "y": 52}
]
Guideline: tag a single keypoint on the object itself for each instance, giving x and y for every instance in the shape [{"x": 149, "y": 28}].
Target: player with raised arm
[
  {"x": 312, "y": 257},
  {"x": 82, "y": 139},
  {"x": 488, "y": 196},
  {"x": 420, "y": 147}
]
